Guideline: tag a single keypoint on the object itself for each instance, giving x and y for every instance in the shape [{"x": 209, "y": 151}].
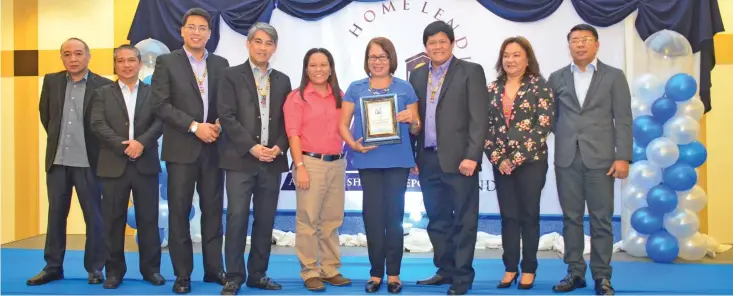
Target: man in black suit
[
  {"x": 250, "y": 101},
  {"x": 184, "y": 96},
  {"x": 453, "y": 104},
  {"x": 71, "y": 158},
  {"x": 123, "y": 120}
]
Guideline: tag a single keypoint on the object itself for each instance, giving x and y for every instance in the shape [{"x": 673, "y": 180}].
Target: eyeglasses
[
  {"x": 586, "y": 40},
  {"x": 193, "y": 28},
  {"x": 381, "y": 58}
]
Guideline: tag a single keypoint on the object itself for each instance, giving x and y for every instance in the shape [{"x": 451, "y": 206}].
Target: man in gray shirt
[{"x": 71, "y": 157}]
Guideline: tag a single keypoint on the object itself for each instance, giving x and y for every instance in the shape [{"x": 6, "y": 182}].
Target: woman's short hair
[
  {"x": 533, "y": 67},
  {"x": 388, "y": 47}
]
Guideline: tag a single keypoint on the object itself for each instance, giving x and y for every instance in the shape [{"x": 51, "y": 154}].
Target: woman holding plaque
[
  {"x": 521, "y": 112},
  {"x": 312, "y": 114},
  {"x": 384, "y": 109}
]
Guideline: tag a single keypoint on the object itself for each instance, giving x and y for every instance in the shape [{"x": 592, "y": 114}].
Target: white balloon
[
  {"x": 693, "y": 247},
  {"x": 694, "y": 199},
  {"x": 634, "y": 243},
  {"x": 681, "y": 223},
  {"x": 639, "y": 108},
  {"x": 692, "y": 107},
  {"x": 663, "y": 152},
  {"x": 682, "y": 129},
  {"x": 645, "y": 174},
  {"x": 634, "y": 197},
  {"x": 648, "y": 88}
]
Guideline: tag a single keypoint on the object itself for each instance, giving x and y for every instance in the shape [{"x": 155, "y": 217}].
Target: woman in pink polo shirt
[{"x": 312, "y": 114}]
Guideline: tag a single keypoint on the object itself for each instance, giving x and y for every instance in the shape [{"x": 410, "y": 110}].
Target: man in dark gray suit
[
  {"x": 453, "y": 105},
  {"x": 592, "y": 148}
]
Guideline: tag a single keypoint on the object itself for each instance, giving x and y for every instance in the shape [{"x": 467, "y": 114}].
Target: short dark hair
[
  {"x": 388, "y": 47},
  {"x": 197, "y": 11},
  {"x": 435, "y": 28},
  {"x": 332, "y": 79},
  {"x": 584, "y": 27},
  {"x": 86, "y": 47},
  {"x": 533, "y": 67}
]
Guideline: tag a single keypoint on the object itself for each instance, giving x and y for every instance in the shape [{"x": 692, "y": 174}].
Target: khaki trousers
[{"x": 319, "y": 214}]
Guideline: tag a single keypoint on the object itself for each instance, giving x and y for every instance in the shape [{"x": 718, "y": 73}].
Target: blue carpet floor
[{"x": 628, "y": 277}]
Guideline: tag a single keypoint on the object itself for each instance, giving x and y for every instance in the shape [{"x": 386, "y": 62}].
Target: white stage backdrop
[{"x": 479, "y": 34}]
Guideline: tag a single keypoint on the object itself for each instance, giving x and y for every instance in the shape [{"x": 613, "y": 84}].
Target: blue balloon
[
  {"x": 693, "y": 154},
  {"x": 661, "y": 199},
  {"x": 164, "y": 191},
  {"x": 161, "y": 233},
  {"x": 645, "y": 129},
  {"x": 679, "y": 177},
  {"x": 638, "y": 153},
  {"x": 680, "y": 87},
  {"x": 646, "y": 221},
  {"x": 662, "y": 247},
  {"x": 131, "y": 217},
  {"x": 191, "y": 213},
  {"x": 663, "y": 109},
  {"x": 148, "y": 79}
]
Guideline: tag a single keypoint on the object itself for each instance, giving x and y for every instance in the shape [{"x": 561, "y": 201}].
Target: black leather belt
[
  {"x": 324, "y": 157},
  {"x": 431, "y": 148}
]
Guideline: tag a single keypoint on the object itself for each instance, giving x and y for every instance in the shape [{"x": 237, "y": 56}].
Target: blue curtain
[{"x": 697, "y": 20}]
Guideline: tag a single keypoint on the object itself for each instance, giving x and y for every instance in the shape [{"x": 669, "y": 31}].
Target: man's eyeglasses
[
  {"x": 193, "y": 28},
  {"x": 586, "y": 40}
]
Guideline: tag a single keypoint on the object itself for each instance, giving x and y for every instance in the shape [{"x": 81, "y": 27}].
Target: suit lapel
[
  {"x": 142, "y": 95},
  {"x": 275, "y": 96},
  {"x": 187, "y": 67},
  {"x": 62, "y": 91},
  {"x": 91, "y": 86},
  {"x": 422, "y": 88},
  {"x": 249, "y": 79},
  {"x": 595, "y": 80},
  {"x": 448, "y": 78},
  {"x": 117, "y": 91},
  {"x": 570, "y": 84}
]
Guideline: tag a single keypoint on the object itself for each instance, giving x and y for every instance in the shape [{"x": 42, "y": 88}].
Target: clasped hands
[
  {"x": 265, "y": 154},
  {"x": 134, "y": 148},
  {"x": 506, "y": 167},
  {"x": 208, "y": 132}
]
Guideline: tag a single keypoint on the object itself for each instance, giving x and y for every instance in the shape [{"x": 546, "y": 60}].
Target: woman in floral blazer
[{"x": 521, "y": 112}]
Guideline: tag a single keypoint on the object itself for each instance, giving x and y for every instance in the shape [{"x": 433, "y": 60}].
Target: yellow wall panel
[
  {"x": 124, "y": 14},
  {"x": 720, "y": 160},
  {"x": 26, "y": 156},
  {"x": 89, "y": 20},
  {"x": 7, "y": 158},
  {"x": 6, "y": 25},
  {"x": 25, "y": 24},
  {"x": 7, "y": 62}
]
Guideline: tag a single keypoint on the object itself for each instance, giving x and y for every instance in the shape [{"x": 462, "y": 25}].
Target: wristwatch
[{"x": 194, "y": 127}]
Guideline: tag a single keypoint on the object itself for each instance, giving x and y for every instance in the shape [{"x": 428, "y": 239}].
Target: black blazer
[
  {"x": 110, "y": 122},
  {"x": 51, "y": 109},
  {"x": 239, "y": 114},
  {"x": 461, "y": 119},
  {"x": 177, "y": 101}
]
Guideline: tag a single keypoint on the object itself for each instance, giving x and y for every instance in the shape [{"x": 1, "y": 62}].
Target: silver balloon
[
  {"x": 150, "y": 49},
  {"x": 692, "y": 107},
  {"x": 663, "y": 152},
  {"x": 693, "y": 248},
  {"x": 634, "y": 197},
  {"x": 694, "y": 199},
  {"x": 645, "y": 175},
  {"x": 639, "y": 108},
  {"x": 681, "y": 223},
  {"x": 648, "y": 88},
  {"x": 668, "y": 53},
  {"x": 634, "y": 243},
  {"x": 682, "y": 129}
]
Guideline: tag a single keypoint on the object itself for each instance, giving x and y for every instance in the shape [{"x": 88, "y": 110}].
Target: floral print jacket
[{"x": 533, "y": 113}]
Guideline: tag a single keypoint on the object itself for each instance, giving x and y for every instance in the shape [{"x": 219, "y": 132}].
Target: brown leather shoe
[
  {"x": 314, "y": 284},
  {"x": 337, "y": 280}
]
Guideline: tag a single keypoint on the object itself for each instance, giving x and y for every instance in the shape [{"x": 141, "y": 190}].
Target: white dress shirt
[
  {"x": 582, "y": 79},
  {"x": 130, "y": 96}
]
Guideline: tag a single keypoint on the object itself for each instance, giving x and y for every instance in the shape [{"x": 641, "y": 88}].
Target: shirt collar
[
  {"x": 442, "y": 67},
  {"x": 84, "y": 79},
  {"x": 311, "y": 89},
  {"x": 593, "y": 66},
  {"x": 256, "y": 69},
  {"x": 193, "y": 59},
  {"x": 124, "y": 86}
]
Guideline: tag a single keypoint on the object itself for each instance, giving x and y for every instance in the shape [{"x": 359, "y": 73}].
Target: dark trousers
[
  {"x": 206, "y": 178},
  {"x": 60, "y": 180},
  {"x": 383, "y": 209},
  {"x": 116, "y": 193},
  {"x": 262, "y": 189},
  {"x": 519, "y": 205},
  {"x": 451, "y": 202},
  {"x": 578, "y": 185}
]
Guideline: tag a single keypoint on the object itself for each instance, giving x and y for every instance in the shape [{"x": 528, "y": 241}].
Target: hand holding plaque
[{"x": 379, "y": 119}]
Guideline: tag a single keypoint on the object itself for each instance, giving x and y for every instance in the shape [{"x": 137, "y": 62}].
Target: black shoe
[
  {"x": 264, "y": 283},
  {"x": 503, "y": 285},
  {"x": 527, "y": 286},
  {"x": 435, "y": 280},
  {"x": 156, "y": 279},
  {"x": 182, "y": 285},
  {"x": 44, "y": 277},
  {"x": 459, "y": 288},
  {"x": 95, "y": 278},
  {"x": 219, "y": 278},
  {"x": 569, "y": 283},
  {"x": 231, "y": 288},
  {"x": 603, "y": 287},
  {"x": 372, "y": 286},
  {"x": 112, "y": 283},
  {"x": 394, "y": 287}
]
